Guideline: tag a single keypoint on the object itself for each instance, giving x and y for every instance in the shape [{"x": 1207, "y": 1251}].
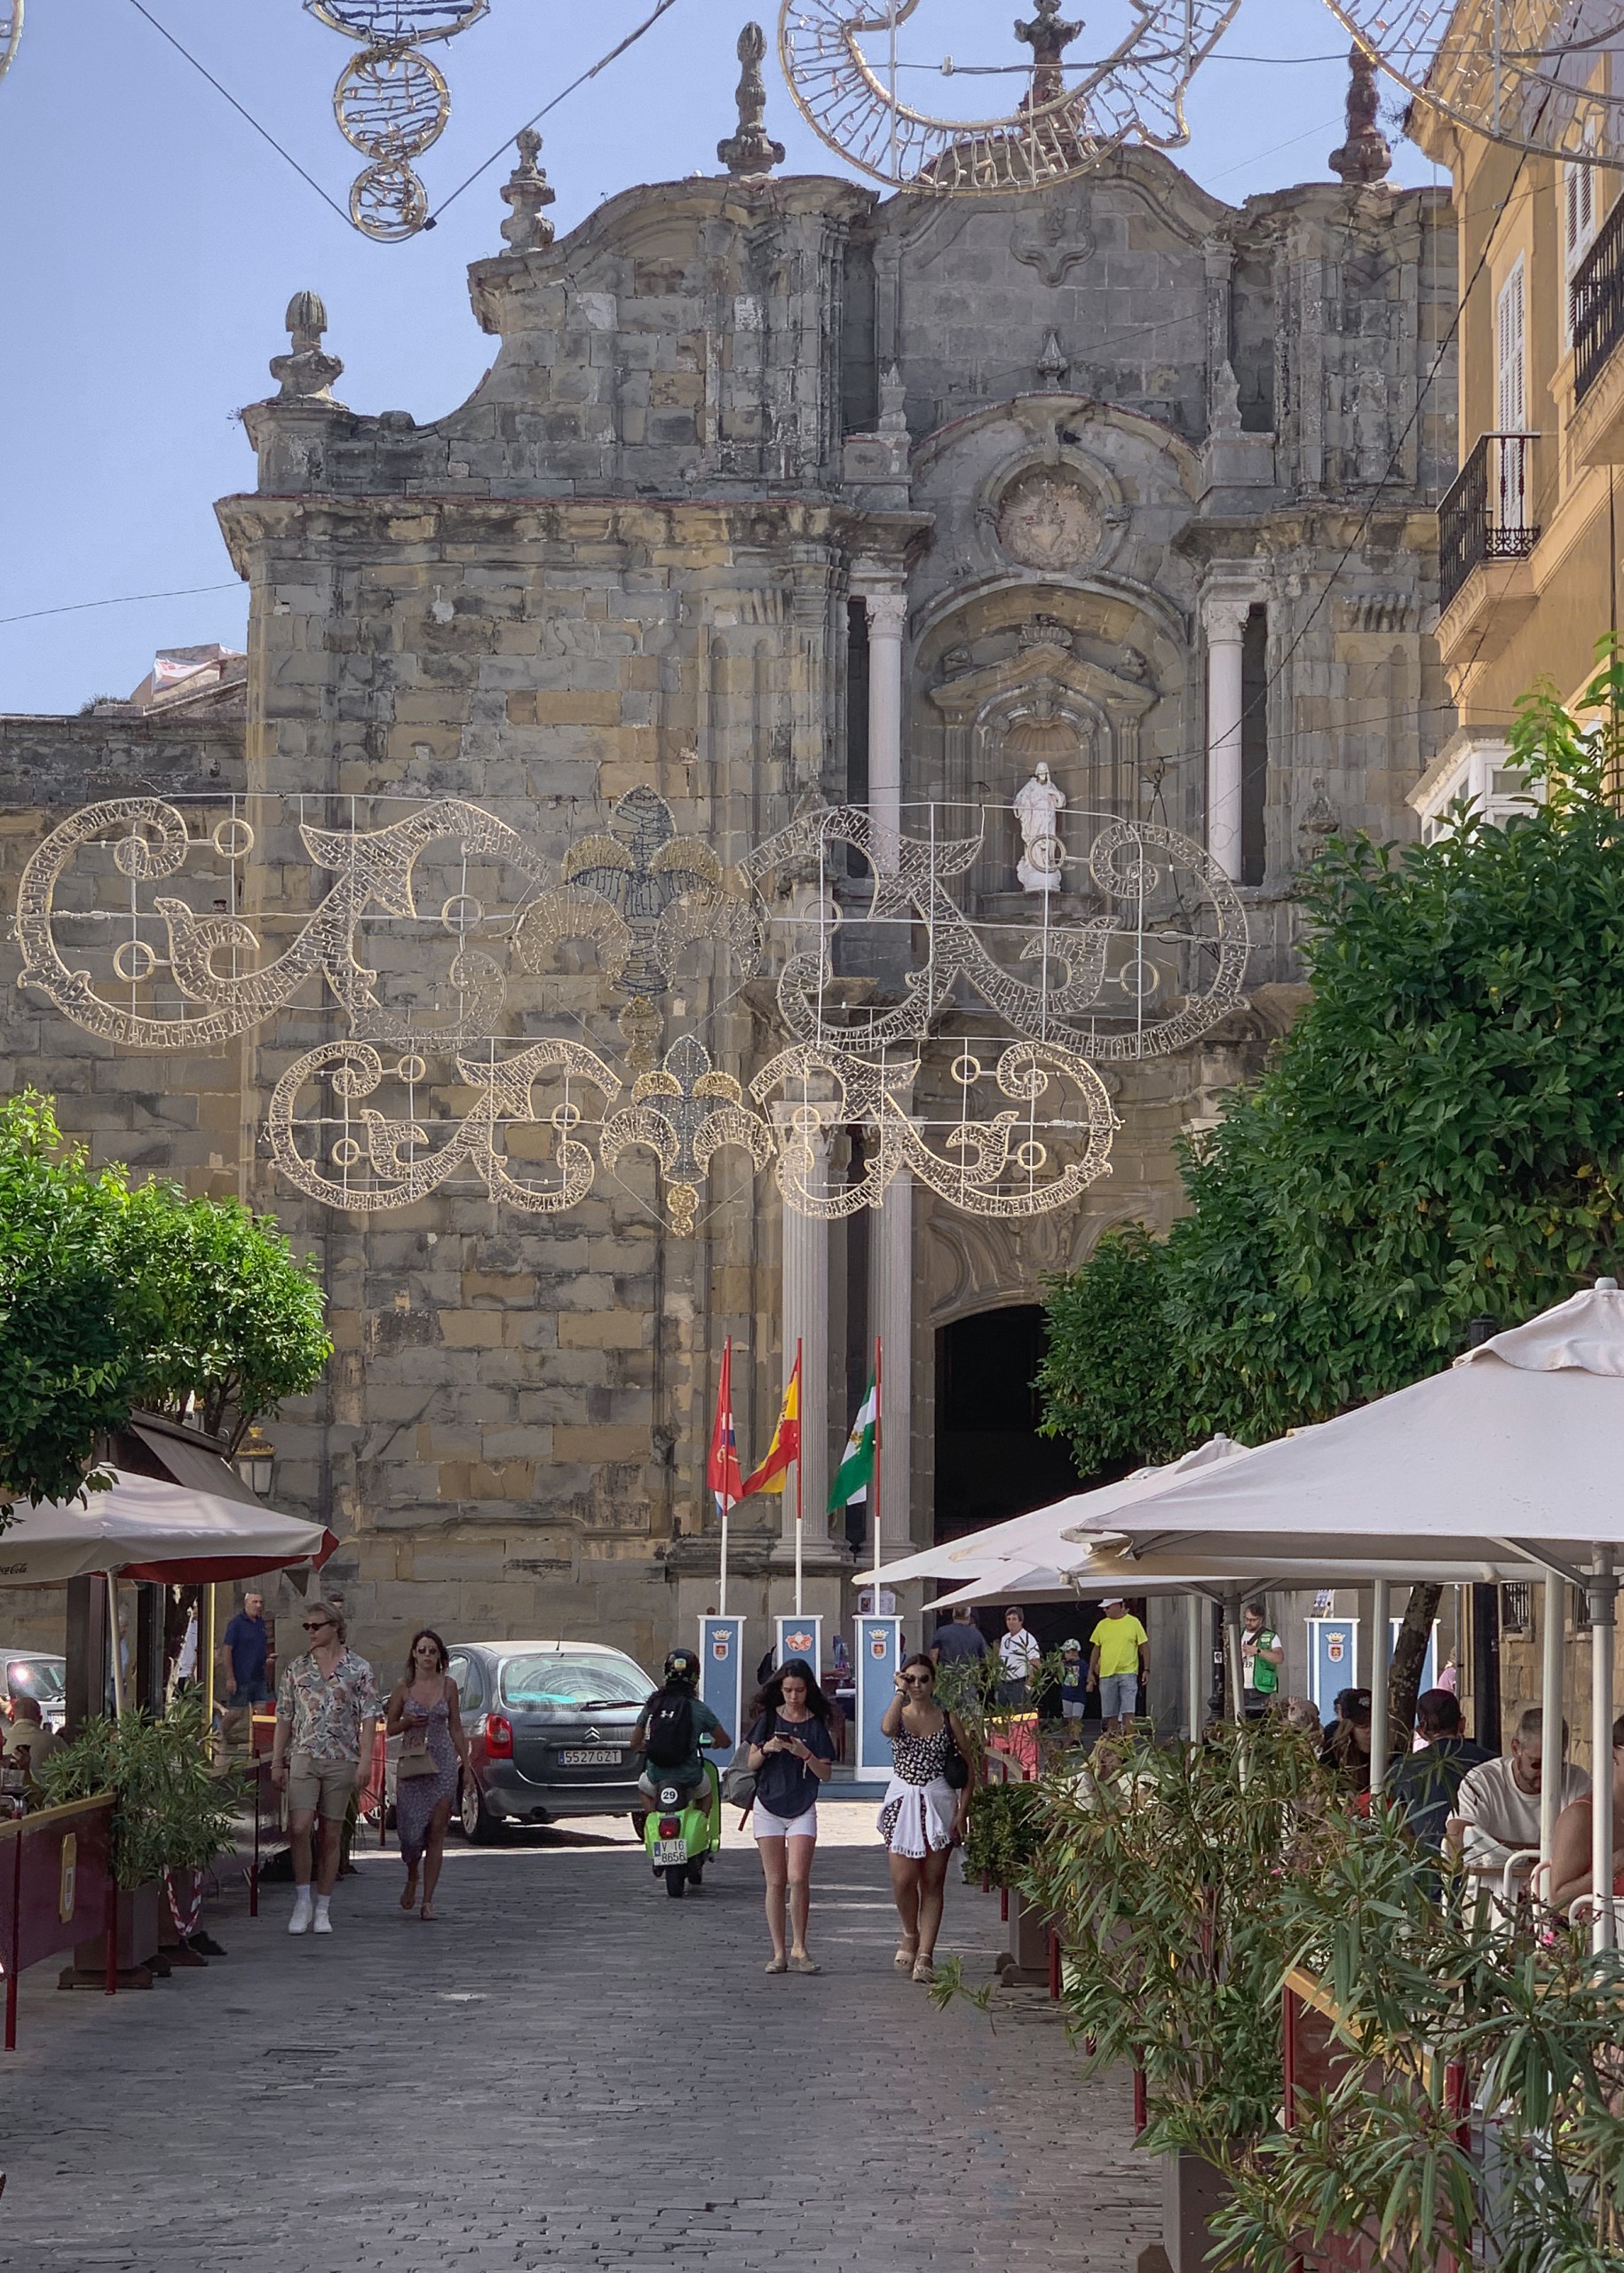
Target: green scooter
[{"x": 681, "y": 1836}]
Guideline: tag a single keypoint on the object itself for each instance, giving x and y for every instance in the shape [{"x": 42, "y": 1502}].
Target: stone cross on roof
[{"x": 1047, "y": 38}]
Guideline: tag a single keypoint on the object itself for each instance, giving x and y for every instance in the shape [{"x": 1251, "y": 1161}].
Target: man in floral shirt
[{"x": 327, "y": 1708}]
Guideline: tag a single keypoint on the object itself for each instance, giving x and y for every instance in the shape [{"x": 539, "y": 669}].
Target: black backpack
[{"x": 668, "y": 1733}]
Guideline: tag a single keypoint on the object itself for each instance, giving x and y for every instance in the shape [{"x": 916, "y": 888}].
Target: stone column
[
  {"x": 891, "y": 1308},
  {"x": 806, "y": 1317},
  {"x": 887, "y": 623},
  {"x": 1226, "y": 619}
]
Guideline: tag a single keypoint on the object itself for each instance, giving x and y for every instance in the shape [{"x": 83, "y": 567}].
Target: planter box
[
  {"x": 1192, "y": 2191},
  {"x": 1027, "y": 1957},
  {"x": 140, "y": 1910}
]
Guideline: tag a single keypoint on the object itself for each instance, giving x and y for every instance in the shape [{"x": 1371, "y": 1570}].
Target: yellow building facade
[{"x": 1529, "y": 533}]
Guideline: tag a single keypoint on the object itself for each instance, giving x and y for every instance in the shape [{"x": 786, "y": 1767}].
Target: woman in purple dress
[{"x": 423, "y": 1712}]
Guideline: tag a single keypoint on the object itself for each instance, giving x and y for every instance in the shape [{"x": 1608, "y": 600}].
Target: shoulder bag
[
  {"x": 738, "y": 1777},
  {"x": 955, "y": 1768}
]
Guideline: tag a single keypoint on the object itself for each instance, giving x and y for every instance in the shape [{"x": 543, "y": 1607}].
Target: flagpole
[
  {"x": 727, "y": 1354},
  {"x": 800, "y": 1463},
  {"x": 878, "y": 1442}
]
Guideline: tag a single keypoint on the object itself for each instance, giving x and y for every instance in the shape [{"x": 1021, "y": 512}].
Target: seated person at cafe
[
  {"x": 1496, "y": 1811},
  {"x": 1569, "y": 1853},
  {"x": 1424, "y": 1784},
  {"x": 27, "y": 1740}
]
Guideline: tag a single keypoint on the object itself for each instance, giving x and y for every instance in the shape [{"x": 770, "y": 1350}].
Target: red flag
[{"x": 722, "y": 1468}]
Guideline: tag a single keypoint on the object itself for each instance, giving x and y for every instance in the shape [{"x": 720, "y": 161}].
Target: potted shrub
[{"x": 169, "y": 1813}]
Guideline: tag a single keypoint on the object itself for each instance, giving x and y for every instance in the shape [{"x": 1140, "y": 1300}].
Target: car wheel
[
  {"x": 478, "y": 1823},
  {"x": 677, "y": 1880}
]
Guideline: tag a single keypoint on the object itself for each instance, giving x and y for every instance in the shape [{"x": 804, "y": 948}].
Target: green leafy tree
[
  {"x": 235, "y": 1322},
  {"x": 69, "y": 1320},
  {"x": 1439, "y": 1138}
]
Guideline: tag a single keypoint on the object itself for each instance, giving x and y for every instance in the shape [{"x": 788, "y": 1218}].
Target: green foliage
[
  {"x": 68, "y": 1319},
  {"x": 1003, "y": 1837},
  {"x": 235, "y": 1321},
  {"x": 172, "y": 1812},
  {"x": 1441, "y": 1136}
]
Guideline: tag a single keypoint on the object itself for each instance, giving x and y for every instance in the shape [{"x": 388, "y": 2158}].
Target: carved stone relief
[{"x": 1047, "y": 519}]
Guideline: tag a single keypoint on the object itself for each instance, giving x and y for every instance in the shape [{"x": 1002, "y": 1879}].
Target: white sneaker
[
  {"x": 324, "y": 1923},
  {"x": 299, "y": 1923}
]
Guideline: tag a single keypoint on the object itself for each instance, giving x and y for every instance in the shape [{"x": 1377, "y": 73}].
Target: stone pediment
[{"x": 1037, "y": 664}]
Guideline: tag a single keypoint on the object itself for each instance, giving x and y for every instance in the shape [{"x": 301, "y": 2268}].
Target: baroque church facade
[{"x": 460, "y": 950}]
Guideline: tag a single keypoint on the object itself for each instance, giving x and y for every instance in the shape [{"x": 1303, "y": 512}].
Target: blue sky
[{"x": 155, "y": 241}]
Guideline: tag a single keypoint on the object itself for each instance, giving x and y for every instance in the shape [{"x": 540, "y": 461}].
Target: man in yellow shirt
[{"x": 1118, "y": 1656}]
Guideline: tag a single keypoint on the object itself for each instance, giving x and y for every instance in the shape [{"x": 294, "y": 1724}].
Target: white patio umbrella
[
  {"x": 1512, "y": 1452},
  {"x": 1043, "y": 1532},
  {"x": 148, "y": 1528}
]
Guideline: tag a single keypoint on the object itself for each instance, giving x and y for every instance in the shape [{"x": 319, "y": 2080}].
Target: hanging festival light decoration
[
  {"x": 853, "y": 70},
  {"x": 1536, "y": 75},
  {"x": 391, "y": 102},
  {"x": 11, "y": 33}
]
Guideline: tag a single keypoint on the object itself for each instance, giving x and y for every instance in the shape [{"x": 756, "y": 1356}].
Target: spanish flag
[{"x": 786, "y": 1444}]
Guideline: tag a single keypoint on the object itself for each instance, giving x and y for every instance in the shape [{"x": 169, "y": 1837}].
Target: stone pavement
[{"x": 569, "y": 2069}]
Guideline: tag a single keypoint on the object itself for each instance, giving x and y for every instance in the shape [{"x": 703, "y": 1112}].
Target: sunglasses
[
  {"x": 917, "y": 1681},
  {"x": 317, "y": 1625}
]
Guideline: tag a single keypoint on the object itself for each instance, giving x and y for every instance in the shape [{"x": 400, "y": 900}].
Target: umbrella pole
[
  {"x": 1604, "y": 1603},
  {"x": 116, "y": 1664},
  {"x": 1196, "y": 1674},
  {"x": 1381, "y": 1648},
  {"x": 1232, "y": 1656},
  {"x": 1550, "y": 1724},
  {"x": 205, "y": 1623}
]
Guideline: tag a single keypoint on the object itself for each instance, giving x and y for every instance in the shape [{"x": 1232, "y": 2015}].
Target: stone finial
[
  {"x": 1364, "y": 158},
  {"x": 751, "y": 151},
  {"x": 306, "y": 373},
  {"x": 1047, "y": 38},
  {"x": 529, "y": 192},
  {"x": 893, "y": 398},
  {"x": 1051, "y": 364}
]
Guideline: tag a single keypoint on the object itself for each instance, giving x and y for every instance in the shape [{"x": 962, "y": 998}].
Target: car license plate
[
  {"x": 669, "y": 1851},
  {"x": 589, "y": 1759}
]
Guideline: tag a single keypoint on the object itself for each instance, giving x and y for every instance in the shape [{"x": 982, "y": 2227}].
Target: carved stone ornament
[
  {"x": 527, "y": 191},
  {"x": 751, "y": 151},
  {"x": 1038, "y": 804},
  {"x": 1055, "y": 240},
  {"x": 306, "y": 375},
  {"x": 1047, "y": 519}
]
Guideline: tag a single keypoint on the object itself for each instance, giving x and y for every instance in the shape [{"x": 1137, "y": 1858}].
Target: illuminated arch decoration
[
  {"x": 391, "y": 103},
  {"x": 477, "y": 980}
]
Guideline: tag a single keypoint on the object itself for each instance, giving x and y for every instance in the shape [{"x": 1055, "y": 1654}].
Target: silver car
[
  {"x": 38, "y": 1674},
  {"x": 549, "y": 1730}
]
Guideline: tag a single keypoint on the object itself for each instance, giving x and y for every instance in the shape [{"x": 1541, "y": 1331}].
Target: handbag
[
  {"x": 955, "y": 1768},
  {"x": 415, "y": 1758},
  {"x": 738, "y": 1777}
]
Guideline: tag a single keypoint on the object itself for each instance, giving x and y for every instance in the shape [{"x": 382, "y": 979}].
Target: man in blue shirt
[{"x": 245, "y": 1654}]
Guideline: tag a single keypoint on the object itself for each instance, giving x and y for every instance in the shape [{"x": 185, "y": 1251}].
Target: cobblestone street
[{"x": 567, "y": 2069}]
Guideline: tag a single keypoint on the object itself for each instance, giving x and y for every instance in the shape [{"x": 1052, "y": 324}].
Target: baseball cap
[
  {"x": 1071, "y": 1644},
  {"x": 1112, "y": 1600}
]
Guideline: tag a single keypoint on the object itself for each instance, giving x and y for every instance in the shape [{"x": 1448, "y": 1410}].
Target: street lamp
[{"x": 253, "y": 1460}]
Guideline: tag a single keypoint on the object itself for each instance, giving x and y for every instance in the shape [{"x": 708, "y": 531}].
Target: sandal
[
  {"x": 776, "y": 1965},
  {"x": 427, "y": 1913},
  {"x": 801, "y": 1963},
  {"x": 906, "y": 1958},
  {"x": 409, "y": 1898},
  {"x": 924, "y": 1972}
]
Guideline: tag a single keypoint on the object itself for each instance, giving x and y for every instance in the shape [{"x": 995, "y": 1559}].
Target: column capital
[
  {"x": 1224, "y": 616},
  {"x": 887, "y": 615}
]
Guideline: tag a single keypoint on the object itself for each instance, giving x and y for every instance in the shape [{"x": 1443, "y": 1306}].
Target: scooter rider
[{"x": 671, "y": 1729}]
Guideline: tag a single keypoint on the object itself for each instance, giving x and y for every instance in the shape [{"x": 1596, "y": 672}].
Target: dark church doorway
[{"x": 990, "y": 1460}]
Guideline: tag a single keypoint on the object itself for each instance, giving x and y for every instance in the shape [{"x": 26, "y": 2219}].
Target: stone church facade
[{"x": 777, "y": 496}]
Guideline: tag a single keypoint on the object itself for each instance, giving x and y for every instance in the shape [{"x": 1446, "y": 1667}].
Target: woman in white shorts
[
  {"x": 922, "y": 1815},
  {"x": 791, "y": 1753}
]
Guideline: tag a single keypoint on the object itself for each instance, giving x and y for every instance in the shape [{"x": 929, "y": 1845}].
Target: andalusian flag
[
  {"x": 856, "y": 1469},
  {"x": 786, "y": 1444}
]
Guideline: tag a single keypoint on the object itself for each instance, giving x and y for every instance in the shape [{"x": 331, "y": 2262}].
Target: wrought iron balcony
[
  {"x": 1488, "y": 513},
  {"x": 1597, "y": 304}
]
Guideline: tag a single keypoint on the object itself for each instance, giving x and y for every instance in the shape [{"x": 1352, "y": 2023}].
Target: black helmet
[{"x": 682, "y": 1666}]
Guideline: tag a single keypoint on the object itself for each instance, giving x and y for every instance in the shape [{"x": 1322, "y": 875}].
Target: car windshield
[
  {"x": 42, "y": 1677},
  {"x": 555, "y": 1679}
]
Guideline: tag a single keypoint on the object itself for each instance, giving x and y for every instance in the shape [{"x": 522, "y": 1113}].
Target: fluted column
[
  {"x": 890, "y": 1285},
  {"x": 1225, "y": 619},
  {"x": 887, "y": 625},
  {"x": 806, "y": 1318}
]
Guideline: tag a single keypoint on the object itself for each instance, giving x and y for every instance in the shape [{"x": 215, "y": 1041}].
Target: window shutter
[{"x": 1512, "y": 404}]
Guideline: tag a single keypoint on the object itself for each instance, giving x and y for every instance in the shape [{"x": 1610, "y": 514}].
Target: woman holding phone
[
  {"x": 791, "y": 1753},
  {"x": 922, "y": 1815}
]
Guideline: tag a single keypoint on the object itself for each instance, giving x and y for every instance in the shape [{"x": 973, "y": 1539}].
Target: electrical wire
[
  {"x": 264, "y": 132},
  {"x": 123, "y": 599},
  {"x": 661, "y": 8}
]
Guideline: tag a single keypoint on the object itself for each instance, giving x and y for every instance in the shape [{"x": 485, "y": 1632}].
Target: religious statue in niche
[
  {"x": 1037, "y": 808},
  {"x": 1048, "y": 521}
]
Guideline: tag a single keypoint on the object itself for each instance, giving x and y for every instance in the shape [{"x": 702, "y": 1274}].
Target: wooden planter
[
  {"x": 1027, "y": 1957},
  {"x": 140, "y": 1912},
  {"x": 1192, "y": 2191}
]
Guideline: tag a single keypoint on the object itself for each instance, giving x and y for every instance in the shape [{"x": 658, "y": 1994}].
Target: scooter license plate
[{"x": 669, "y": 1851}]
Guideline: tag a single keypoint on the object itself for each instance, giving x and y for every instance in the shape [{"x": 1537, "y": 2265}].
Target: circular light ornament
[
  {"x": 11, "y": 33},
  {"x": 391, "y": 103},
  {"x": 388, "y": 201},
  {"x": 397, "y": 23},
  {"x": 857, "y": 74},
  {"x": 1533, "y": 76}
]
